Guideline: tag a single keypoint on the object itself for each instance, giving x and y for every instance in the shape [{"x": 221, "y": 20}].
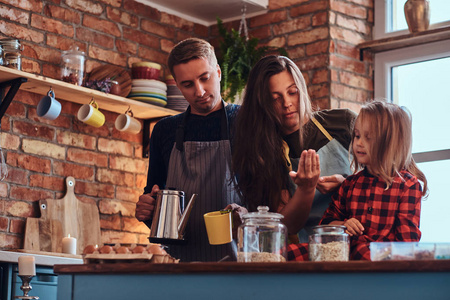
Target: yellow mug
[
  {"x": 218, "y": 227},
  {"x": 89, "y": 114}
]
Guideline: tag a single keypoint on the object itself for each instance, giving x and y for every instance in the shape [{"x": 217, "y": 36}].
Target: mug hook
[
  {"x": 93, "y": 103},
  {"x": 129, "y": 111},
  {"x": 51, "y": 93}
]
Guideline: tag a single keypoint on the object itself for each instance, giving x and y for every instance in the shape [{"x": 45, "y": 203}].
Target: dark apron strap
[{"x": 179, "y": 135}]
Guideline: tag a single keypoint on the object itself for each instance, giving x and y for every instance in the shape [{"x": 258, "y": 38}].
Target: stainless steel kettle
[{"x": 169, "y": 221}]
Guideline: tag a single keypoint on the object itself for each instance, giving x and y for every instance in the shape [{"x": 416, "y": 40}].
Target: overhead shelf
[
  {"x": 405, "y": 40},
  {"x": 82, "y": 95}
]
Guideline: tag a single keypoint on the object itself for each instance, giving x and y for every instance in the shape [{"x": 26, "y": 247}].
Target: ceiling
[{"x": 205, "y": 11}]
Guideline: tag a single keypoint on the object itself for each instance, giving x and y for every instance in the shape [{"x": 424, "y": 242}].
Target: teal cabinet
[{"x": 44, "y": 284}]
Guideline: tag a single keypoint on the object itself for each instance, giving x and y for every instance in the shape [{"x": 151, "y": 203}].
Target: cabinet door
[{"x": 44, "y": 284}]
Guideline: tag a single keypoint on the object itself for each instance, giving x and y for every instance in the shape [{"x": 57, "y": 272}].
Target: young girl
[{"x": 382, "y": 201}]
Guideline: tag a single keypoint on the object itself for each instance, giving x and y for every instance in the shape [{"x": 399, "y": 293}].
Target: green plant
[{"x": 238, "y": 55}]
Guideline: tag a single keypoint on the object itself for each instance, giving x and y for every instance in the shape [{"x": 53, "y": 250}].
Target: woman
[{"x": 275, "y": 125}]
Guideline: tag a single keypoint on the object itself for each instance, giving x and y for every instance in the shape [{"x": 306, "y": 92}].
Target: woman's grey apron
[
  {"x": 334, "y": 159},
  {"x": 202, "y": 168}
]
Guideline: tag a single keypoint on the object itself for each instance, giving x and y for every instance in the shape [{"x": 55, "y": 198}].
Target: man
[{"x": 191, "y": 151}]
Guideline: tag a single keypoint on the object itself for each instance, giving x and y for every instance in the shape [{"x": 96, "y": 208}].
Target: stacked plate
[
  {"x": 175, "y": 99},
  {"x": 149, "y": 90}
]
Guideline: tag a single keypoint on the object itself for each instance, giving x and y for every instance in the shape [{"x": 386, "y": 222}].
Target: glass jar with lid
[
  {"x": 72, "y": 68},
  {"x": 262, "y": 237},
  {"x": 11, "y": 53},
  {"x": 329, "y": 243}
]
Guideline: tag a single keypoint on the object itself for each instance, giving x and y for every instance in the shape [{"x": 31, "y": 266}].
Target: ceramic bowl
[{"x": 145, "y": 70}]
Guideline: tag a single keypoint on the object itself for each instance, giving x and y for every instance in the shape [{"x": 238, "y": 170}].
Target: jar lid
[
  {"x": 74, "y": 51},
  {"x": 263, "y": 213},
  {"x": 10, "y": 43},
  {"x": 329, "y": 229}
]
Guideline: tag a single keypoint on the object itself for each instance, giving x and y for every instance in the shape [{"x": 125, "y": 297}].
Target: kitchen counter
[
  {"x": 41, "y": 258},
  {"x": 231, "y": 280}
]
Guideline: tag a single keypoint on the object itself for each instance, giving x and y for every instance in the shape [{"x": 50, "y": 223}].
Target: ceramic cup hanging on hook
[
  {"x": 89, "y": 114},
  {"x": 49, "y": 107},
  {"x": 127, "y": 123}
]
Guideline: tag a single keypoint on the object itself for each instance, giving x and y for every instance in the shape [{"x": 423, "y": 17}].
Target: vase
[{"x": 417, "y": 13}]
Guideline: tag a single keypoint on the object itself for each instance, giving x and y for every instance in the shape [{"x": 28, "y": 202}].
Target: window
[
  {"x": 390, "y": 17},
  {"x": 418, "y": 78}
]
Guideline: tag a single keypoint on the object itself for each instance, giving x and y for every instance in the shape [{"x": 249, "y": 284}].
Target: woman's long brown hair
[{"x": 258, "y": 161}]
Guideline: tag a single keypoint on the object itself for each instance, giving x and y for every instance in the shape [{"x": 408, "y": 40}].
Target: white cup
[
  {"x": 127, "y": 123},
  {"x": 49, "y": 107}
]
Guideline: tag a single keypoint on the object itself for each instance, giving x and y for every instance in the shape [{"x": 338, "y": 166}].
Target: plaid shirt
[{"x": 387, "y": 215}]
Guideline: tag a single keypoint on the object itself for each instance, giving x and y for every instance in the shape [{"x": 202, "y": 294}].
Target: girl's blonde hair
[{"x": 391, "y": 141}]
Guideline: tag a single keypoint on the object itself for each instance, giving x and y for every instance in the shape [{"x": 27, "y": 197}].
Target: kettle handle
[{"x": 185, "y": 216}]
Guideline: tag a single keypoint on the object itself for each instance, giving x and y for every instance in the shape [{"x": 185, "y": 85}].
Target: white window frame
[
  {"x": 383, "y": 18},
  {"x": 385, "y": 61}
]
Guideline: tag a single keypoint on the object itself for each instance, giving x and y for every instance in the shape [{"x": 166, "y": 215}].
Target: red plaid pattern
[
  {"x": 298, "y": 252},
  {"x": 387, "y": 215}
]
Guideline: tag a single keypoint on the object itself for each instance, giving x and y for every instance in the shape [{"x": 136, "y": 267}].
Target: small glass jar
[
  {"x": 11, "y": 53},
  {"x": 115, "y": 88},
  {"x": 329, "y": 243},
  {"x": 72, "y": 69},
  {"x": 262, "y": 237}
]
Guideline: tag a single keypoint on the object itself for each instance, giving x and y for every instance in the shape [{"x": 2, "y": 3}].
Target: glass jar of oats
[
  {"x": 329, "y": 243},
  {"x": 262, "y": 237}
]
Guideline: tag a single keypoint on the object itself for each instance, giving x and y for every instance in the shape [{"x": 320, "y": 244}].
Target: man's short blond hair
[{"x": 189, "y": 49}]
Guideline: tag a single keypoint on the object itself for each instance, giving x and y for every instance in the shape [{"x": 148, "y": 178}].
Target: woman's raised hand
[{"x": 308, "y": 171}]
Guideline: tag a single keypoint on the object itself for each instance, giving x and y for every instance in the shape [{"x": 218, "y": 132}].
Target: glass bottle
[
  {"x": 11, "y": 53},
  {"x": 72, "y": 69},
  {"x": 262, "y": 237},
  {"x": 329, "y": 243}
]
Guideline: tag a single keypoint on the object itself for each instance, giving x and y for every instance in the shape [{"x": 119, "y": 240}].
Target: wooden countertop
[{"x": 235, "y": 267}]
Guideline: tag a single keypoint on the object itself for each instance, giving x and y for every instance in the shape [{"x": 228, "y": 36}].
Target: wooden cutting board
[
  {"x": 114, "y": 73},
  {"x": 61, "y": 217}
]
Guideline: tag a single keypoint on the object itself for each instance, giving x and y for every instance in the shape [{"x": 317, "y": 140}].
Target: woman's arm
[{"x": 297, "y": 209}]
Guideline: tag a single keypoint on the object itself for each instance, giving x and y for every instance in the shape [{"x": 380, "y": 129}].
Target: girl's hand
[
  {"x": 354, "y": 227},
  {"x": 308, "y": 171},
  {"x": 328, "y": 184}
]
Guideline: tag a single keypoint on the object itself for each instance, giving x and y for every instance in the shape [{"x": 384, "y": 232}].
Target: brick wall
[
  {"x": 107, "y": 165},
  {"x": 319, "y": 35}
]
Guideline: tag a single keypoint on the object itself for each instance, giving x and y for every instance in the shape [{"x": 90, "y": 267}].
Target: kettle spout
[{"x": 185, "y": 216}]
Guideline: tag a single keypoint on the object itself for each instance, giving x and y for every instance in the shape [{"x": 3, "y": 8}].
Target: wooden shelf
[
  {"x": 405, "y": 40},
  {"x": 81, "y": 95}
]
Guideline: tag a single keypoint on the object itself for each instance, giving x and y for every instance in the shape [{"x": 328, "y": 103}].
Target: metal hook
[
  {"x": 129, "y": 111},
  {"x": 243, "y": 23}
]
